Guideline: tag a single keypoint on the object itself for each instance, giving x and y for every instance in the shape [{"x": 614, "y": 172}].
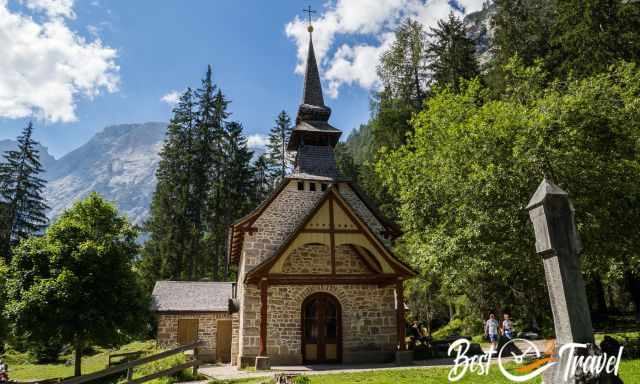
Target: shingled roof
[
  {"x": 191, "y": 296},
  {"x": 316, "y": 160}
]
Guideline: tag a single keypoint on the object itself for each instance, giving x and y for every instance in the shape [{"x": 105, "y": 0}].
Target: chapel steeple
[{"x": 313, "y": 137}]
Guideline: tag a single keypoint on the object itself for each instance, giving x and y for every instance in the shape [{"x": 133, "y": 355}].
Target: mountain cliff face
[
  {"x": 119, "y": 163},
  {"x": 481, "y": 31},
  {"x": 45, "y": 158}
]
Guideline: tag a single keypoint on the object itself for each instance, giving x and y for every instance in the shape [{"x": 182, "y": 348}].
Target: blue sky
[{"x": 148, "y": 49}]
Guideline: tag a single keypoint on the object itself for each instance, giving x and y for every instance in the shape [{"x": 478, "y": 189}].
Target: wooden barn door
[
  {"x": 223, "y": 340},
  {"x": 187, "y": 331}
]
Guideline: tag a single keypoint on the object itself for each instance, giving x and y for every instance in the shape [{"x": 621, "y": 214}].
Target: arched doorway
[{"x": 321, "y": 329}]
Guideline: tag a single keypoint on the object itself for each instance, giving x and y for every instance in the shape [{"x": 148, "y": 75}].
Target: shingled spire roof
[
  {"x": 312, "y": 94},
  {"x": 312, "y": 125}
]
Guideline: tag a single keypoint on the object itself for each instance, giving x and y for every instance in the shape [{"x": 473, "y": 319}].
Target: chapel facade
[{"x": 317, "y": 280}]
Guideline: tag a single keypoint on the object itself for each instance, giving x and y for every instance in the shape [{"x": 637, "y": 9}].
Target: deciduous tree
[
  {"x": 471, "y": 166},
  {"x": 76, "y": 283}
]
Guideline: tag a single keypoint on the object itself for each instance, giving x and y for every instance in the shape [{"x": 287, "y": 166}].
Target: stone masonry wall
[
  {"x": 368, "y": 322},
  {"x": 316, "y": 259},
  {"x": 348, "y": 262},
  {"x": 235, "y": 328},
  {"x": 277, "y": 222},
  {"x": 309, "y": 259},
  {"x": 168, "y": 329}
]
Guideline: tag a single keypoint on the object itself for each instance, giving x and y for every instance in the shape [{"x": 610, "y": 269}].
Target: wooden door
[
  {"x": 223, "y": 340},
  {"x": 187, "y": 331},
  {"x": 321, "y": 329}
]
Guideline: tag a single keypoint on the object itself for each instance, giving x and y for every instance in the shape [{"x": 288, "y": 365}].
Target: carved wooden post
[
  {"x": 557, "y": 241},
  {"x": 196, "y": 358},
  {"x": 262, "y": 360},
  {"x": 263, "y": 317},
  {"x": 402, "y": 355},
  {"x": 402, "y": 345}
]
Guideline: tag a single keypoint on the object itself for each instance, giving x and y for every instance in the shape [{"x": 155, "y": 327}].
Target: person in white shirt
[
  {"x": 507, "y": 327},
  {"x": 491, "y": 330}
]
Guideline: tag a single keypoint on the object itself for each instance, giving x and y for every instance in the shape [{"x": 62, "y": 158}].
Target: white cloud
[
  {"x": 368, "y": 26},
  {"x": 45, "y": 66},
  {"x": 471, "y": 6},
  {"x": 52, "y": 8},
  {"x": 257, "y": 141},
  {"x": 171, "y": 98}
]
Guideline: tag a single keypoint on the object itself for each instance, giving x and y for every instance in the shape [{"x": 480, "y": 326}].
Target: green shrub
[
  {"x": 463, "y": 327},
  {"x": 301, "y": 380}
]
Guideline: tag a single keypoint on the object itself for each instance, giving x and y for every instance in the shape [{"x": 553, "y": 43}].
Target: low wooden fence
[{"x": 130, "y": 366}]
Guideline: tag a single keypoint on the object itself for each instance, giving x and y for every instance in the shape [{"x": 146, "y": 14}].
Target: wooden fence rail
[
  {"x": 128, "y": 356},
  {"x": 130, "y": 366}
]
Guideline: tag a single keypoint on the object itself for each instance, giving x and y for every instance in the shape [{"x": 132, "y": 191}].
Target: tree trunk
[
  {"x": 77, "y": 366},
  {"x": 633, "y": 283},
  {"x": 601, "y": 301}
]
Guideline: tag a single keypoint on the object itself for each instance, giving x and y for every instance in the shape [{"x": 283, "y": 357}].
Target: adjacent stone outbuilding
[{"x": 190, "y": 311}]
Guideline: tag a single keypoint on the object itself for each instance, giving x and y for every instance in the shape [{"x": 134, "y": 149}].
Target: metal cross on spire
[{"x": 309, "y": 11}]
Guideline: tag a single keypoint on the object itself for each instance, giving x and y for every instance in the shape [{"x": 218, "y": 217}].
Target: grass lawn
[
  {"x": 629, "y": 373},
  {"x": 618, "y": 336},
  {"x": 22, "y": 368}
]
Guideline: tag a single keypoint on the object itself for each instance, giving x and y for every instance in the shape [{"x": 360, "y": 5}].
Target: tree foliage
[
  {"x": 479, "y": 161},
  {"x": 579, "y": 37},
  {"x": 4, "y": 272},
  {"x": 205, "y": 164},
  {"x": 404, "y": 77},
  {"x": 21, "y": 189},
  {"x": 75, "y": 284},
  {"x": 262, "y": 179},
  {"x": 451, "y": 54},
  {"x": 280, "y": 159}
]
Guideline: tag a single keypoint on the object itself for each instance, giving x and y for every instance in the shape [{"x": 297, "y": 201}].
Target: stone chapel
[{"x": 317, "y": 280}]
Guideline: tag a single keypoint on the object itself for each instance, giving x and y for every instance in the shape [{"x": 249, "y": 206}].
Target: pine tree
[
  {"x": 522, "y": 27},
  {"x": 213, "y": 110},
  {"x": 578, "y": 37},
  {"x": 21, "y": 189},
  {"x": 204, "y": 183},
  {"x": 262, "y": 182},
  {"x": 172, "y": 236},
  {"x": 451, "y": 53},
  {"x": 238, "y": 177},
  {"x": 590, "y": 35},
  {"x": 279, "y": 158}
]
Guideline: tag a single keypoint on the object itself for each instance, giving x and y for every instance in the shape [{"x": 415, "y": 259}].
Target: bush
[
  {"x": 301, "y": 380},
  {"x": 467, "y": 326}
]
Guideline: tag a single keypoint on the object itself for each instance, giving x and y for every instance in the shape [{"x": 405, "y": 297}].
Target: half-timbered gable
[{"x": 317, "y": 279}]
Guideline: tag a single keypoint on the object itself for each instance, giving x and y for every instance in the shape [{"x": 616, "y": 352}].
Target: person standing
[
  {"x": 507, "y": 327},
  {"x": 491, "y": 331}
]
